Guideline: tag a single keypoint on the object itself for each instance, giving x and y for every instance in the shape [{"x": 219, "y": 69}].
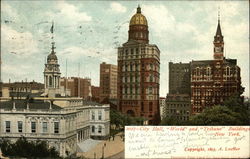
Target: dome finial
[{"x": 138, "y": 9}]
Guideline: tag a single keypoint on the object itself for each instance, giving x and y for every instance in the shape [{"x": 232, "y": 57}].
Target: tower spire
[
  {"x": 52, "y": 37},
  {"x": 218, "y": 31}
]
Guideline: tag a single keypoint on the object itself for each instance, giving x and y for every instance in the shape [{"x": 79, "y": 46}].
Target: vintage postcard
[{"x": 124, "y": 79}]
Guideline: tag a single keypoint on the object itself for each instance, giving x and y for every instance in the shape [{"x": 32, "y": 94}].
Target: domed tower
[
  {"x": 139, "y": 73},
  {"x": 138, "y": 27},
  {"x": 51, "y": 70}
]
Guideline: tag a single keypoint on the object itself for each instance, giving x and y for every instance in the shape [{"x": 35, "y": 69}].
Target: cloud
[
  {"x": 6, "y": 9},
  {"x": 117, "y": 7},
  {"x": 17, "y": 43},
  {"x": 65, "y": 13}
]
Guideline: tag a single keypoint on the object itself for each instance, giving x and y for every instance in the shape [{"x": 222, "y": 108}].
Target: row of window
[
  {"x": 133, "y": 51},
  {"x": 99, "y": 115},
  {"x": 198, "y": 71},
  {"x": 33, "y": 127}
]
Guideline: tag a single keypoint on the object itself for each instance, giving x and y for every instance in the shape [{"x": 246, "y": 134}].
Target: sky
[{"x": 88, "y": 33}]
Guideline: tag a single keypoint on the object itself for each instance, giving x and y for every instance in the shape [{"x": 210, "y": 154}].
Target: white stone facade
[
  {"x": 62, "y": 124},
  {"x": 99, "y": 121}
]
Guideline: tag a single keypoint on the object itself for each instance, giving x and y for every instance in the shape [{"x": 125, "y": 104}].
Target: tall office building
[
  {"x": 108, "y": 82},
  {"x": 139, "y": 72}
]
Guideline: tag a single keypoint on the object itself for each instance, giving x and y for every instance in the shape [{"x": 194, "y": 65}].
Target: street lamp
[{"x": 104, "y": 145}]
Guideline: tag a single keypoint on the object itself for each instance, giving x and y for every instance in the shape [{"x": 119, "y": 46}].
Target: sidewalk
[{"x": 112, "y": 148}]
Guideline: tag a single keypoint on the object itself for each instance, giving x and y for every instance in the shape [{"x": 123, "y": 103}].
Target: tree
[
  {"x": 217, "y": 115},
  {"x": 28, "y": 149}
]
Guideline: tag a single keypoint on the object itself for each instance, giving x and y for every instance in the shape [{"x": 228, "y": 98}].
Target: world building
[{"x": 139, "y": 72}]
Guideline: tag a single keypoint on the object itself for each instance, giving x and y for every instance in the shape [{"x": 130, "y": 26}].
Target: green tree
[
  {"x": 217, "y": 115},
  {"x": 28, "y": 149}
]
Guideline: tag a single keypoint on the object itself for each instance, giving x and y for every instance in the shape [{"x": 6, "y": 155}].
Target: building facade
[
  {"x": 178, "y": 106},
  {"x": 95, "y": 91},
  {"x": 139, "y": 72},
  {"x": 108, "y": 82},
  {"x": 20, "y": 90},
  {"x": 99, "y": 121},
  {"x": 162, "y": 107},
  {"x": 62, "y": 122},
  {"x": 214, "y": 81},
  {"x": 179, "y": 78},
  {"x": 77, "y": 87}
]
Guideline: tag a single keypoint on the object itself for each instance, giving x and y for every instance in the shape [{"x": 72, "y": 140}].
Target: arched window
[
  {"x": 197, "y": 71},
  {"x": 151, "y": 78},
  {"x": 208, "y": 71},
  {"x": 99, "y": 129},
  {"x": 50, "y": 81},
  {"x": 228, "y": 71}
]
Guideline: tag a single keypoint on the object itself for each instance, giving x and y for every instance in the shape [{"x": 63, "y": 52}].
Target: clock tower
[
  {"x": 51, "y": 70},
  {"x": 218, "y": 43}
]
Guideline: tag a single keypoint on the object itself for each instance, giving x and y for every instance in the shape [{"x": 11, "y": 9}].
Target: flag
[{"x": 52, "y": 28}]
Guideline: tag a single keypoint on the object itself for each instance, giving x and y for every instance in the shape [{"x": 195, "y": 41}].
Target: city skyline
[{"x": 89, "y": 33}]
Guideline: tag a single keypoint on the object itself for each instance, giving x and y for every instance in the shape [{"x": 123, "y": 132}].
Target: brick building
[
  {"x": 78, "y": 87},
  {"x": 21, "y": 89},
  {"x": 138, "y": 72},
  {"x": 108, "y": 82},
  {"x": 214, "y": 81},
  {"x": 95, "y": 91},
  {"x": 178, "y": 106}
]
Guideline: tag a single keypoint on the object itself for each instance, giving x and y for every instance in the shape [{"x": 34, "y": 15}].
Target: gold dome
[{"x": 138, "y": 18}]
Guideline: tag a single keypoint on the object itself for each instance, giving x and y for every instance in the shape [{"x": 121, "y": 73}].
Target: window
[
  {"x": 99, "y": 129},
  {"x": 45, "y": 127},
  {"x": 93, "y": 115},
  {"x": 142, "y": 107},
  {"x": 7, "y": 126},
  {"x": 150, "y": 106},
  {"x": 50, "y": 81},
  {"x": 137, "y": 50},
  {"x": 93, "y": 129},
  {"x": 33, "y": 127},
  {"x": 20, "y": 126},
  {"x": 56, "y": 127},
  {"x": 208, "y": 71},
  {"x": 99, "y": 115},
  {"x": 227, "y": 71},
  {"x": 150, "y": 90},
  {"x": 132, "y": 51},
  {"x": 151, "y": 78},
  {"x": 151, "y": 66}
]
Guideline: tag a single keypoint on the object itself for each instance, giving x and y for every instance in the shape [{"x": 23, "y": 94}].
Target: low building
[
  {"x": 178, "y": 106},
  {"x": 20, "y": 90},
  {"x": 62, "y": 122}
]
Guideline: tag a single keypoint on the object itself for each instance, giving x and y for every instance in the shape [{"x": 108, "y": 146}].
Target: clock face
[{"x": 217, "y": 49}]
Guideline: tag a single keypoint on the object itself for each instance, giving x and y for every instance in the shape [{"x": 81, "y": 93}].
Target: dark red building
[
  {"x": 214, "y": 81},
  {"x": 138, "y": 72}
]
